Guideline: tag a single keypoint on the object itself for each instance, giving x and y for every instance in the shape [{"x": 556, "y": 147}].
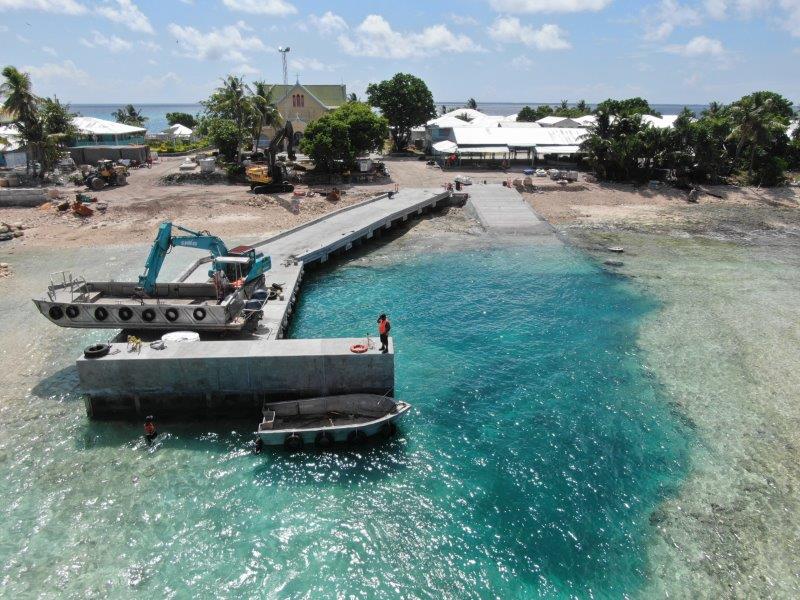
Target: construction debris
[{"x": 9, "y": 232}]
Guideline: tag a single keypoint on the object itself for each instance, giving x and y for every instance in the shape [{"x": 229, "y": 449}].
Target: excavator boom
[{"x": 165, "y": 241}]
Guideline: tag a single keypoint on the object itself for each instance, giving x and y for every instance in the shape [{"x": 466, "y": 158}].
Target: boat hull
[
  {"x": 117, "y": 305},
  {"x": 341, "y": 432}
]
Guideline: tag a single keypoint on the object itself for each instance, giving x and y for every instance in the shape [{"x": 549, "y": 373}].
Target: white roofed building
[
  {"x": 514, "y": 143},
  {"x": 99, "y": 132}
]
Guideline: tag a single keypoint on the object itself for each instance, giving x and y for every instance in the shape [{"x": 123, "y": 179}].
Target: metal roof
[
  {"x": 94, "y": 126},
  {"x": 484, "y": 150},
  {"x": 328, "y": 95},
  {"x": 514, "y": 137}
]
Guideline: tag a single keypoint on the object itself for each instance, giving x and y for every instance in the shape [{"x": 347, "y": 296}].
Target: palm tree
[
  {"x": 264, "y": 110},
  {"x": 755, "y": 124},
  {"x": 582, "y": 108},
  {"x": 714, "y": 109},
  {"x": 352, "y": 97},
  {"x": 129, "y": 115},
  {"x": 19, "y": 102},
  {"x": 471, "y": 103}
]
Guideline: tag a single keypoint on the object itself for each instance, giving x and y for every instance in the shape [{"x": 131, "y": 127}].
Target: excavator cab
[{"x": 240, "y": 265}]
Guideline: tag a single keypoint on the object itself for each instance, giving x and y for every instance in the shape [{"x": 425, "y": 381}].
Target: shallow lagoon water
[{"x": 537, "y": 449}]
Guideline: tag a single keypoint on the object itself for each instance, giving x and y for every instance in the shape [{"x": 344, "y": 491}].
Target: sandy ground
[{"x": 233, "y": 211}]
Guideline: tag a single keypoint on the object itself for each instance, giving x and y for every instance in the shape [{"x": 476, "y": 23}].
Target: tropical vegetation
[
  {"x": 235, "y": 114},
  {"x": 336, "y": 139},
  {"x": 406, "y": 102},
  {"x": 528, "y": 114},
  {"x": 745, "y": 141},
  {"x": 181, "y": 118},
  {"x": 129, "y": 115},
  {"x": 44, "y": 124}
]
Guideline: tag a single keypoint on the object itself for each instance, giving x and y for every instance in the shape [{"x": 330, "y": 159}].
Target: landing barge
[{"x": 231, "y": 300}]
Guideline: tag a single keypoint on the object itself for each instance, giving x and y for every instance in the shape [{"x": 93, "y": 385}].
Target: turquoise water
[{"x": 537, "y": 448}]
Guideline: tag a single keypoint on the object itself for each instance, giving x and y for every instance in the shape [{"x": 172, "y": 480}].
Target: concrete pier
[
  {"x": 234, "y": 376},
  {"x": 318, "y": 239},
  {"x": 230, "y": 378}
]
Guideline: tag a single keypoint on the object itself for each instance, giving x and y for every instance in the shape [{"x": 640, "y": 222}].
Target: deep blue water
[
  {"x": 538, "y": 444},
  {"x": 537, "y": 447}
]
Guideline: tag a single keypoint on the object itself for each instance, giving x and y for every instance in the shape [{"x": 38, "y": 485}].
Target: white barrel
[{"x": 181, "y": 336}]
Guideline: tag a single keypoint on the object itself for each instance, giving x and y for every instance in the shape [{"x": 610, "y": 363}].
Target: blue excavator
[{"x": 241, "y": 265}]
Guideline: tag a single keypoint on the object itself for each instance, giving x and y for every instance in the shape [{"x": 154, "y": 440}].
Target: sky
[{"x": 176, "y": 51}]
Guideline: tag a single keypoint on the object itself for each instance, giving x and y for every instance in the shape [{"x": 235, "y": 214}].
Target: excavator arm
[{"x": 165, "y": 241}]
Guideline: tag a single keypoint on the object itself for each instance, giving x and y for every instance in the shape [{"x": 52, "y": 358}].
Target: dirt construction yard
[{"x": 233, "y": 211}]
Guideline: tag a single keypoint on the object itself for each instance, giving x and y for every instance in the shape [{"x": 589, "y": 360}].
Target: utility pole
[{"x": 284, "y": 52}]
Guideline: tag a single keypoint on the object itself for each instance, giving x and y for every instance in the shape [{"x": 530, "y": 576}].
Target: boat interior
[{"x": 331, "y": 411}]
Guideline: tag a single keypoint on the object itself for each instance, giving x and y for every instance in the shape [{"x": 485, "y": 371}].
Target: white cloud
[
  {"x": 719, "y": 9},
  {"x": 66, "y": 7},
  {"x": 228, "y": 43},
  {"x": 791, "y": 22},
  {"x": 261, "y": 7},
  {"x": 534, "y": 6},
  {"x": 112, "y": 44},
  {"x": 699, "y": 46},
  {"x": 307, "y": 64},
  {"x": 511, "y": 30},
  {"x": 661, "y": 22},
  {"x": 53, "y": 71},
  {"x": 161, "y": 81},
  {"x": 522, "y": 62},
  {"x": 463, "y": 20},
  {"x": 150, "y": 45},
  {"x": 375, "y": 37},
  {"x": 49, "y": 50},
  {"x": 328, "y": 23},
  {"x": 245, "y": 69},
  {"x": 126, "y": 13},
  {"x": 23, "y": 39},
  {"x": 3, "y": 28}
]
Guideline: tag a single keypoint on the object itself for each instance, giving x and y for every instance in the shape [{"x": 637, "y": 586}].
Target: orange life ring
[{"x": 358, "y": 348}]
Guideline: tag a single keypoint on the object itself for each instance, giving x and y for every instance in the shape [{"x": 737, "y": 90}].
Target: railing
[{"x": 76, "y": 286}]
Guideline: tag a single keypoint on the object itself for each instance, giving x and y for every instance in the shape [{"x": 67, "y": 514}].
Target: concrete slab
[
  {"x": 502, "y": 209},
  {"x": 229, "y": 377}
]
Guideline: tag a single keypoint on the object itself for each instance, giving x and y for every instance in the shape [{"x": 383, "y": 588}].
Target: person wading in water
[{"x": 383, "y": 329}]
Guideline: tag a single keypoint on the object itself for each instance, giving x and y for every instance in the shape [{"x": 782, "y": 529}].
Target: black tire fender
[
  {"x": 100, "y": 313},
  {"x": 125, "y": 313},
  {"x": 293, "y": 442},
  {"x": 96, "y": 350},
  {"x": 199, "y": 314},
  {"x": 56, "y": 312},
  {"x": 323, "y": 440},
  {"x": 171, "y": 314},
  {"x": 72, "y": 311},
  {"x": 148, "y": 314}
]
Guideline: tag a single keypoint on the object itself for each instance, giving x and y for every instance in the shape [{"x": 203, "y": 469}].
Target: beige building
[{"x": 302, "y": 104}]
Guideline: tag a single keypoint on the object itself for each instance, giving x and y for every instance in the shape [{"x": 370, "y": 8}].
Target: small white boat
[{"x": 320, "y": 422}]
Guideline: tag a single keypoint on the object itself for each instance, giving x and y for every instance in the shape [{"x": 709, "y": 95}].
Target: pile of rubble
[
  {"x": 5, "y": 270},
  {"x": 9, "y": 232}
]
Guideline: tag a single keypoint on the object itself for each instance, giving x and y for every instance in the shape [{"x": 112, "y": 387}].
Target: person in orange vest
[{"x": 383, "y": 330}]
